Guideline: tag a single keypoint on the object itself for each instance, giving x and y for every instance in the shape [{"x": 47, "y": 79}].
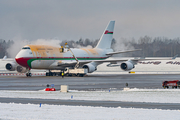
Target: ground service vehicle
[{"x": 174, "y": 84}]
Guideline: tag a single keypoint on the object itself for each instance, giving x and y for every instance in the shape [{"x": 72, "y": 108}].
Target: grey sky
[{"x": 73, "y": 19}]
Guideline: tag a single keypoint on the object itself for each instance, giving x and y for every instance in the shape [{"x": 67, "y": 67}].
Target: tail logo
[{"x": 108, "y": 32}]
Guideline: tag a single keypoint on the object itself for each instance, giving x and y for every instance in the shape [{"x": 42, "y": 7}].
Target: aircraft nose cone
[{"x": 23, "y": 62}]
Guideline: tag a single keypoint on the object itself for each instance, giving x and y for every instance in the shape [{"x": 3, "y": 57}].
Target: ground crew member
[
  {"x": 62, "y": 48},
  {"x": 62, "y": 75}
]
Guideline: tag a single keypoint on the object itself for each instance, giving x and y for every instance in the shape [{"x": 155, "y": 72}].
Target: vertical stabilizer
[{"x": 106, "y": 38}]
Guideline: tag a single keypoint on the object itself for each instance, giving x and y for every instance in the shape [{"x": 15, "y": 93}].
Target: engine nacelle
[
  {"x": 127, "y": 66},
  {"x": 14, "y": 66},
  {"x": 91, "y": 68},
  {"x": 11, "y": 66},
  {"x": 21, "y": 69}
]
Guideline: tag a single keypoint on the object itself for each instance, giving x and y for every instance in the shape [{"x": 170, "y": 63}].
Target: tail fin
[{"x": 106, "y": 38}]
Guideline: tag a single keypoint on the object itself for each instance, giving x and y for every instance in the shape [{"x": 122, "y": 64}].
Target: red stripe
[{"x": 106, "y": 32}]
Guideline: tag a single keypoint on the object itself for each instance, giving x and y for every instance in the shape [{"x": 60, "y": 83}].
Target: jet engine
[
  {"x": 127, "y": 66},
  {"x": 11, "y": 66},
  {"x": 14, "y": 66},
  {"x": 91, "y": 68},
  {"x": 21, "y": 69}
]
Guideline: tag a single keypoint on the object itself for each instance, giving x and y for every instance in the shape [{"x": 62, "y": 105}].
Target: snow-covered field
[
  {"x": 13, "y": 111},
  {"x": 34, "y": 111},
  {"x": 132, "y": 95}
]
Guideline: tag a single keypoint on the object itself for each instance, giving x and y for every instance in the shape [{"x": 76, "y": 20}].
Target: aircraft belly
[{"x": 41, "y": 64}]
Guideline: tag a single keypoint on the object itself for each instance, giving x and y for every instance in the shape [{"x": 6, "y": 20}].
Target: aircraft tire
[
  {"x": 28, "y": 74},
  {"x": 47, "y": 74}
]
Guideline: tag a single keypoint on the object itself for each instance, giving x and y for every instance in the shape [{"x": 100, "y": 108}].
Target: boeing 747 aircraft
[{"x": 58, "y": 58}]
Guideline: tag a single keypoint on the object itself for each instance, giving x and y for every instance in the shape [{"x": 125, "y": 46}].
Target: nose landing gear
[{"x": 28, "y": 74}]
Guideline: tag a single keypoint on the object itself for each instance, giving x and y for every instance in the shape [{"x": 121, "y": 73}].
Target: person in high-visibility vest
[{"x": 62, "y": 74}]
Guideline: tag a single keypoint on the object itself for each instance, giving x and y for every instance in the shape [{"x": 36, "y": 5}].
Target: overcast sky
[{"x": 74, "y": 19}]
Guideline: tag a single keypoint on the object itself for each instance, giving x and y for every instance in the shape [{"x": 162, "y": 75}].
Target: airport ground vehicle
[
  {"x": 68, "y": 72},
  {"x": 174, "y": 84}
]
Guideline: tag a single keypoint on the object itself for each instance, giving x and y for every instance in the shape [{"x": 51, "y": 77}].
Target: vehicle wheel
[
  {"x": 50, "y": 74},
  {"x": 176, "y": 87},
  {"x": 53, "y": 74},
  {"x": 30, "y": 74},
  {"x": 164, "y": 87},
  {"x": 167, "y": 87},
  {"x": 59, "y": 74},
  {"x": 27, "y": 75},
  {"x": 70, "y": 75},
  {"x": 81, "y": 75}
]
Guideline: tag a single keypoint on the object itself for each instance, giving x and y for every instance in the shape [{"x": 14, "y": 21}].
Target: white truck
[{"x": 76, "y": 71}]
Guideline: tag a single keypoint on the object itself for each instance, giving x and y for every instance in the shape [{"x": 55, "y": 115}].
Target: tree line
[
  {"x": 4, "y": 45},
  {"x": 151, "y": 47}
]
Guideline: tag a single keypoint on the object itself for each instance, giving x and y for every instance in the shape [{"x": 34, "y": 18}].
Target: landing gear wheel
[
  {"x": 47, "y": 74},
  {"x": 28, "y": 74}
]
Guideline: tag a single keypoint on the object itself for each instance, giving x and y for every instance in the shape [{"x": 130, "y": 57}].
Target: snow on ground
[
  {"x": 13, "y": 111},
  {"x": 132, "y": 95}
]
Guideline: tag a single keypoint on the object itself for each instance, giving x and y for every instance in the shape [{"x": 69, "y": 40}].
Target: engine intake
[
  {"x": 127, "y": 66},
  {"x": 11, "y": 66},
  {"x": 91, "y": 68},
  {"x": 21, "y": 69},
  {"x": 14, "y": 66}
]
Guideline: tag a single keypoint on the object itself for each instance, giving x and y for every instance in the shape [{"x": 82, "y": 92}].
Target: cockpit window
[{"x": 26, "y": 48}]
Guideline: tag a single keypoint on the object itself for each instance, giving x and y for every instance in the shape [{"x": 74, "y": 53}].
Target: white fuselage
[{"x": 48, "y": 57}]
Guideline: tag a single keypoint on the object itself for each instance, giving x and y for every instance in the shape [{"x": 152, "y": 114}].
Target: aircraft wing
[
  {"x": 119, "y": 52},
  {"x": 117, "y": 59},
  {"x": 7, "y": 59},
  {"x": 113, "y": 60}
]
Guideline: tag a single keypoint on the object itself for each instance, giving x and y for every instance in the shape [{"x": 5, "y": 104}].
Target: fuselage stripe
[{"x": 27, "y": 60}]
